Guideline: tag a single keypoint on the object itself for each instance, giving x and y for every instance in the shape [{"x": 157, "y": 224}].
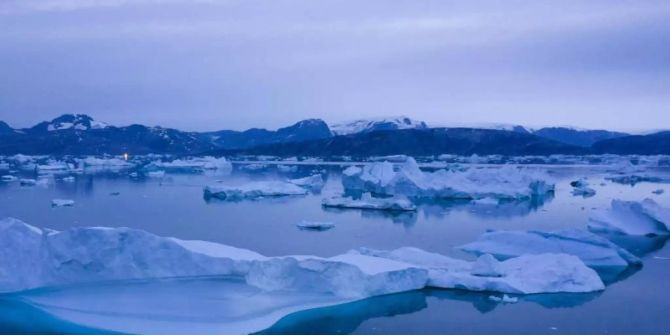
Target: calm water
[{"x": 174, "y": 206}]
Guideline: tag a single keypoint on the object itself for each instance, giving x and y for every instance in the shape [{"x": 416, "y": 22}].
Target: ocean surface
[{"x": 638, "y": 302}]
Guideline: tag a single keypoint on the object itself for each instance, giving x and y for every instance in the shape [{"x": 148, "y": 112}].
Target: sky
[{"x": 236, "y": 64}]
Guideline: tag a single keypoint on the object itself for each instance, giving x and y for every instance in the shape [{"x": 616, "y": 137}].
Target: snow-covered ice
[
  {"x": 506, "y": 182},
  {"x": 62, "y": 203},
  {"x": 396, "y": 203},
  {"x": 253, "y": 190},
  {"x": 593, "y": 250},
  {"x": 312, "y": 182},
  {"x": 315, "y": 225},
  {"x": 526, "y": 274},
  {"x": 581, "y": 188},
  {"x": 632, "y": 218}
]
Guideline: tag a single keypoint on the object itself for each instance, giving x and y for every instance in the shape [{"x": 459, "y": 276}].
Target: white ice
[
  {"x": 312, "y": 182},
  {"x": 507, "y": 182},
  {"x": 62, "y": 203},
  {"x": 396, "y": 203},
  {"x": 593, "y": 250},
  {"x": 253, "y": 190},
  {"x": 632, "y": 218}
]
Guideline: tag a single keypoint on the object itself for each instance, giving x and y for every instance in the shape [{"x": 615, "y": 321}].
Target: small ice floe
[
  {"x": 192, "y": 165},
  {"x": 581, "y": 188},
  {"x": 68, "y": 179},
  {"x": 62, "y": 203},
  {"x": 115, "y": 193},
  {"x": 287, "y": 168},
  {"x": 312, "y": 182},
  {"x": 507, "y": 182},
  {"x": 632, "y": 218},
  {"x": 155, "y": 174},
  {"x": 54, "y": 166},
  {"x": 134, "y": 175},
  {"x": 314, "y": 225},
  {"x": 8, "y": 178},
  {"x": 34, "y": 182},
  {"x": 253, "y": 190},
  {"x": 366, "y": 201},
  {"x": 254, "y": 167},
  {"x": 486, "y": 201},
  {"x": 658, "y": 191},
  {"x": 505, "y": 299},
  {"x": 595, "y": 251}
]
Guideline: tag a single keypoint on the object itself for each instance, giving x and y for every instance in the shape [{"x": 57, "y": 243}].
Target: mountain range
[{"x": 78, "y": 134}]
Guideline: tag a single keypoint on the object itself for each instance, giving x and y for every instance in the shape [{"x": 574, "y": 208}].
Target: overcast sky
[{"x": 229, "y": 64}]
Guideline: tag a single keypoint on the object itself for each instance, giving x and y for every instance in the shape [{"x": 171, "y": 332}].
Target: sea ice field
[{"x": 464, "y": 245}]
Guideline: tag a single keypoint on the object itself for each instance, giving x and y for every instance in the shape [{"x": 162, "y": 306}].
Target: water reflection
[{"x": 346, "y": 318}]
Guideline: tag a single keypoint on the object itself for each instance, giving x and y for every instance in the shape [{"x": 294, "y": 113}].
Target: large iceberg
[
  {"x": 632, "y": 218},
  {"x": 507, "y": 182},
  {"x": 366, "y": 201},
  {"x": 253, "y": 190},
  {"x": 593, "y": 250}
]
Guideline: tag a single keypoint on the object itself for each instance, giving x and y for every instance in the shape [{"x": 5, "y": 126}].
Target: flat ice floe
[
  {"x": 632, "y": 218},
  {"x": 593, "y": 250},
  {"x": 396, "y": 203},
  {"x": 315, "y": 225},
  {"x": 254, "y": 190},
  {"x": 507, "y": 182},
  {"x": 62, "y": 203},
  {"x": 526, "y": 274},
  {"x": 313, "y": 182},
  {"x": 192, "y": 165}
]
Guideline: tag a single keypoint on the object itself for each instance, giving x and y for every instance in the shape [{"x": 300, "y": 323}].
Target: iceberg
[
  {"x": 632, "y": 218},
  {"x": 313, "y": 225},
  {"x": 253, "y": 190},
  {"x": 62, "y": 203},
  {"x": 507, "y": 182},
  {"x": 658, "y": 191},
  {"x": 312, "y": 182},
  {"x": 287, "y": 168},
  {"x": 368, "y": 202},
  {"x": 54, "y": 166},
  {"x": 68, "y": 179},
  {"x": 526, "y": 274},
  {"x": 595, "y": 251},
  {"x": 155, "y": 174},
  {"x": 114, "y": 163},
  {"x": 34, "y": 182}
]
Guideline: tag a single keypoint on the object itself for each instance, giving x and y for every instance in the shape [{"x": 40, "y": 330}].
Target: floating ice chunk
[
  {"x": 105, "y": 163},
  {"x": 62, "y": 203},
  {"x": 34, "y": 182},
  {"x": 504, "y": 299},
  {"x": 313, "y": 182},
  {"x": 53, "y": 166},
  {"x": 527, "y": 274},
  {"x": 632, "y": 218},
  {"x": 9, "y": 178},
  {"x": 581, "y": 188},
  {"x": 486, "y": 266},
  {"x": 192, "y": 165},
  {"x": 368, "y": 202},
  {"x": 252, "y": 190},
  {"x": 313, "y": 225},
  {"x": 68, "y": 179},
  {"x": 507, "y": 182},
  {"x": 254, "y": 167},
  {"x": 658, "y": 191},
  {"x": 593, "y": 250},
  {"x": 486, "y": 201},
  {"x": 287, "y": 168},
  {"x": 156, "y": 174}
]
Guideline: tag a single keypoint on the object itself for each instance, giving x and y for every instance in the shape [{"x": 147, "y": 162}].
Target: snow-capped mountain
[
  {"x": 369, "y": 125},
  {"x": 69, "y": 121}
]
